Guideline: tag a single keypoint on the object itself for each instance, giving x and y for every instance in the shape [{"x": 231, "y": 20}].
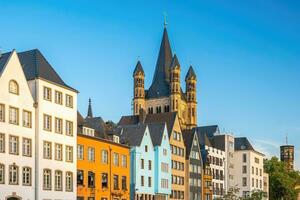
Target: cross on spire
[{"x": 165, "y": 20}]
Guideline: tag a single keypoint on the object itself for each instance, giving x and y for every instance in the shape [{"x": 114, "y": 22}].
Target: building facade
[
  {"x": 165, "y": 93},
  {"x": 249, "y": 168},
  {"x": 17, "y": 131},
  {"x": 193, "y": 165},
  {"x": 287, "y": 153}
]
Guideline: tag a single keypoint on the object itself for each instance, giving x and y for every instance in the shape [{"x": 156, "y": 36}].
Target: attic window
[{"x": 13, "y": 87}]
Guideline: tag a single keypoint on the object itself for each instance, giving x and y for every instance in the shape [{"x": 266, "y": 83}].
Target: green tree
[
  {"x": 232, "y": 194},
  {"x": 281, "y": 181}
]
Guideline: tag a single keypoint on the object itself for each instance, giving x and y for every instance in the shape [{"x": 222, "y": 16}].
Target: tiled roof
[
  {"x": 156, "y": 132},
  {"x": 138, "y": 68},
  {"x": 191, "y": 73},
  {"x": 3, "y": 60},
  {"x": 132, "y": 134},
  {"x": 188, "y": 137}
]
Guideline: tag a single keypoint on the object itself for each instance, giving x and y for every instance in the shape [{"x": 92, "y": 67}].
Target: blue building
[{"x": 150, "y": 159}]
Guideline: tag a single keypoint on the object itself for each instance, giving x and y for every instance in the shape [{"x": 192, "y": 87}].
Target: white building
[
  {"x": 249, "y": 169},
  {"x": 17, "y": 131},
  {"x": 54, "y": 122}
]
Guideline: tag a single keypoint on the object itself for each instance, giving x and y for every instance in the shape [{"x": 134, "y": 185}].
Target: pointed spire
[
  {"x": 164, "y": 60},
  {"x": 138, "y": 68},
  {"x": 90, "y": 112},
  {"x": 191, "y": 74},
  {"x": 175, "y": 62}
]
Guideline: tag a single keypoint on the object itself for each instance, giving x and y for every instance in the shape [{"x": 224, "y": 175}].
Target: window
[
  {"x": 104, "y": 156},
  {"x": 13, "y": 145},
  {"x": 149, "y": 181},
  {"x": 116, "y": 139},
  {"x": 58, "y": 152},
  {"x": 2, "y": 143},
  {"x": 104, "y": 180},
  {"x": 69, "y": 154},
  {"x": 256, "y": 169},
  {"x": 80, "y": 152},
  {"x": 58, "y": 125},
  {"x": 13, "y": 115},
  {"x": 124, "y": 183},
  {"x": 256, "y": 160},
  {"x": 69, "y": 101},
  {"x": 91, "y": 154},
  {"x": 142, "y": 180},
  {"x": 2, "y": 174},
  {"x": 146, "y": 148},
  {"x": 164, "y": 167},
  {"x": 252, "y": 170},
  {"x": 260, "y": 172},
  {"x": 47, "y": 93},
  {"x": 116, "y": 159},
  {"x": 47, "y": 150},
  {"x": 252, "y": 182},
  {"x": 2, "y": 113},
  {"x": 91, "y": 179},
  {"x": 80, "y": 177},
  {"x": 47, "y": 122},
  {"x": 69, "y": 181},
  {"x": 124, "y": 161},
  {"x": 165, "y": 152},
  {"x": 149, "y": 165},
  {"x": 47, "y": 179},
  {"x": 116, "y": 182},
  {"x": 244, "y": 181},
  {"x": 26, "y": 176},
  {"x": 58, "y": 97},
  {"x": 13, "y": 87},
  {"x": 13, "y": 174},
  {"x": 26, "y": 147},
  {"x": 58, "y": 180},
  {"x": 244, "y": 169},
  {"x": 142, "y": 163},
  {"x": 69, "y": 128},
  {"x": 27, "y": 119},
  {"x": 244, "y": 157}
]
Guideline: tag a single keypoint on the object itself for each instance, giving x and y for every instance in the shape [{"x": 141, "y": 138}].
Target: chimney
[{"x": 142, "y": 116}]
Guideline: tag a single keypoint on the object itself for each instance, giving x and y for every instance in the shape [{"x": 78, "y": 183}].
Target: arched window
[
  {"x": 13, "y": 174},
  {"x": 13, "y": 87}
]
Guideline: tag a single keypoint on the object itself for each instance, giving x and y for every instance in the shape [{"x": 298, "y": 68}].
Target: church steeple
[{"x": 90, "y": 112}]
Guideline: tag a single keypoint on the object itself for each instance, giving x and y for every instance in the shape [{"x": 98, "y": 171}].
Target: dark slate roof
[
  {"x": 90, "y": 111},
  {"x": 242, "y": 143},
  {"x": 3, "y": 60},
  {"x": 175, "y": 62},
  {"x": 168, "y": 118},
  {"x": 188, "y": 137},
  {"x": 203, "y": 139},
  {"x": 98, "y": 124},
  {"x": 132, "y": 134},
  {"x": 210, "y": 131},
  {"x": 218, "y": 141},
  {"x": 156, "y": 132},
  {"x": 191, "y": 73},
  {"x": 138, "y": 68},
  {"x": 204, "y": 155},
  {"x": 160, "y": 86},
  {"x": 35, "y": 65}
]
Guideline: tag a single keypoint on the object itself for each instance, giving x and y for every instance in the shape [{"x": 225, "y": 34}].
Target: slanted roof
[
  {"x": 218, "y": 141},
  {"x": 98, "y": 124},
  {"x": 133, "y": 134},
  {"x": 203, "y": 139},
  {"x": 3, "y": 60},
  {"x": 210, "y": 131},
  {"x": 35, "y": 65},
  {"x": 168, "y": 117},
  {"x": 156, "y": 132},
  {"x": 188, "y": 137},
  {"x": 242, "y": 143},
  {"x": 90, "y": 111},
  {"x": 160, "y": 86},
  {"x": 138, "y": 68},
  {"x": 175, "y": 62},
  {"x": 190, "y": 74}
]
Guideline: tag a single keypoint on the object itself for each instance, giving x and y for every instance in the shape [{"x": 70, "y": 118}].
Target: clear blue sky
[{"x": 246, "y": 55}]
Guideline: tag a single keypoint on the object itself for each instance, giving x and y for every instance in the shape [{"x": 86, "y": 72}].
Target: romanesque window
[
  {"x": 69, "y": 181},
  {"x": 26, "y": 147},
  {"x": 13, "y": 174},
  {"x": 13, "y": 87},
  {"x": 26, "y": 174},
  {"x": 27, "y": 119},
  {"x": 47, "y": 179},
  {"x": 2, "y": 113}
]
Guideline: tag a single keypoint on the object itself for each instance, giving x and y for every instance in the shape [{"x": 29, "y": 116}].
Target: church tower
[
  {"x": 191, "y": 80},
  {"x": 139, "y": 88},
  {"x": 175, "y": 90}
]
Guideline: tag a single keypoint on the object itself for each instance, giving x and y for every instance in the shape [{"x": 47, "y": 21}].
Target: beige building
[{"x": 165, "y": 93}]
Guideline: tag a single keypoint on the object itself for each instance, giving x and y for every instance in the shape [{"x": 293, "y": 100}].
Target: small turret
[
  {"x": 139, "y": 88},
  {"x": 175, "y": 83},
  {"x": 191, "y": 80},
  {"x": 90, "y": 111}
]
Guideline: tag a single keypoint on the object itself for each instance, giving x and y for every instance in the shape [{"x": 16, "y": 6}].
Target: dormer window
[
  {"x": 116, "y": 139},
  {"x": 13, "y": 87}
]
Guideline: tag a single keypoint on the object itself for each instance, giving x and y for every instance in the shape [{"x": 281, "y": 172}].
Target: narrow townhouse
[
  {"x": 176, "y": 143},
  {"x": 194, "y": 166},
  {"x": 103, "y": 166},
  {"x": 249, "y": 170},
  {"x": 55, "y": 128},
  {"x": 17, "y": 131},
  {"x": 207, "y": 192}
]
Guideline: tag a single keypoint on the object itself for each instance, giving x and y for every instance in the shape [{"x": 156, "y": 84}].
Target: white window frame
[
  {"x": 58, "y": 180},
  {"x": 91, "y": 154},
  {"x": 69, "y": 101},
  {"x": 47, "y": 93},
  {"x": 2, "y": 173},
  {"x": 13, "y": 145},
  {"x": 2, "y": 143},
  {"x": 26, "y": 176},
  {"x": 58, "y": 152},
  {"x": 69, "y": 128},
  {"x": 69, "y": 153},
  {"x": 13, "y": 115},
  {"x": 58, "y": 125},
  {"x": 47, "y": 181},
  {"x": 13, "y": 174},
  {"x": 27, "y": 119},
  {"x": 58, "y": 97},
  {"x": 104, "y": 156},
  {"x": 47, "y": 150},
  {"x": 69, "y": 181},
  {"x": 27, "y": 147},
  {"x": 2, "y": 113},
  {"x": 47, "y": 122},
  {"x": 80, "y": 152}
]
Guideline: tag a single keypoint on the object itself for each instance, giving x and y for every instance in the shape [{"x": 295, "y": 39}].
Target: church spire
[{"x": 90, "y": 112}]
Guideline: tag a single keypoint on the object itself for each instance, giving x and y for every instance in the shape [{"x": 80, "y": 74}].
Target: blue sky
[{"x": 245, "y": 53}]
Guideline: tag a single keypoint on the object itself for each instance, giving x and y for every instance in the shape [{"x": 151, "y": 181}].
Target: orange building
[{"x": 103, "y": 169}]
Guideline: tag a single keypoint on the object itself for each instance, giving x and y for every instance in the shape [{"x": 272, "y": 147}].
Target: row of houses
[{"x": 49, "y": 151}]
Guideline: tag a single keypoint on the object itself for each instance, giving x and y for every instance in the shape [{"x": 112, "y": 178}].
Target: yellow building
[{"x": 103, "y": 166}]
